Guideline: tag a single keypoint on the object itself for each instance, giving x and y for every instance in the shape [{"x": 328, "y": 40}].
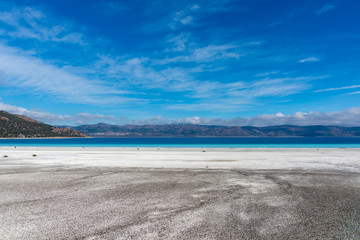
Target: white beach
[
  {"x": 151, "y": 193},
  {"x": 333, "y": 159}
]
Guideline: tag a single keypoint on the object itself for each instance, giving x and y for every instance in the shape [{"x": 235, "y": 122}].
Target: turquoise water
[{"x": 200, "y": 142}]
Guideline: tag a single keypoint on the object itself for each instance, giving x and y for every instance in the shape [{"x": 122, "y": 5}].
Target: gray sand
[
  {"x": 112, "y": 203},
  {"x": 102, "y": 202}
]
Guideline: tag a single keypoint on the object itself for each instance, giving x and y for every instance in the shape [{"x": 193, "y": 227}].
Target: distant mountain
[
  {"x": 18, "y": 126},
  {"x": 189, "y": 130}
]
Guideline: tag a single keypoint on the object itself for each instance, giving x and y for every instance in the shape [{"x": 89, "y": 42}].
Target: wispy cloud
[
  {"x": 279, "y": 86},
  {"x": 325, "y": 9},
  {"x": 139, "y": 73},
  {"x": 352, "y": 93},
  {"x": 349, "y": 117},
  {"x": 31, "y": 23},
  {"x": 339, "y": 88},
  {"x": 209, "y": 53},
  {"x": 206, "y": 94},
  {"x": 187, "y": 20},
  {"x": 183, "y": 17},
  {"x": 180, "y": 14},
  {"x": 35, "y": 76},
  {"x": 265, "y": 74},
  {"x": 185, "y": 48},
  {"x": 242, "y": 95},
  {"x": 80, "y": 118},
  {"x": 179, "y": 43},
  {"x": 309, "y": 59}
]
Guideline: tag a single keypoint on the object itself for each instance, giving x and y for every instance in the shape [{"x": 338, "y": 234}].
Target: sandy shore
[
  {"x": 334, "y": 159},
  {"x": 119, "y": 193}
]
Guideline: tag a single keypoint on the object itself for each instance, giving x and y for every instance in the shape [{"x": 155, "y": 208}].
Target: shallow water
[{"x": 197, "y": 142}]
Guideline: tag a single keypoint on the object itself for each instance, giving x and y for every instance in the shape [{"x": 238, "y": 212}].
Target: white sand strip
[{"x": 338, "y": 159}]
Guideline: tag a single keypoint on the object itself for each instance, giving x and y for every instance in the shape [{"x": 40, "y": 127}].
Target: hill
[
  {"x": 189, "y": 130},
  {"x": 18, "y": 126}
]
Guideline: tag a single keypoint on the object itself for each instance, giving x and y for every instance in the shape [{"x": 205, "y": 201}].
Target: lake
[{"x": 192, "y": 142}]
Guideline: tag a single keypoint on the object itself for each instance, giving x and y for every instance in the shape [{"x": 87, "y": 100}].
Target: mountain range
[
  {"x": 18, "y": 126},
  {"x": 190, "y": 130}
]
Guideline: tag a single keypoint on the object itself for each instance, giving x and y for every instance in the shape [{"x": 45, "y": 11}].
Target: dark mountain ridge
[
  {"x": 190, "y": 130},
  {"x": 18, "y": 126}
]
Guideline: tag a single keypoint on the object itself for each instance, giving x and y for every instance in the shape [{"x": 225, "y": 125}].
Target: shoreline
[
  {"x": 168, "y": 148},
  {"x": 328, "y": 159},
  {"x": 46, "y": 138},
  {"x": 190, "y": 137}
]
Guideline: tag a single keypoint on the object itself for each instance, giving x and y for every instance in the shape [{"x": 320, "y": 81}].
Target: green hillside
[{"x": 17, "y": 126}]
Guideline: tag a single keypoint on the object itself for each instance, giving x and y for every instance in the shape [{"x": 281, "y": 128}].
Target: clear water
[{"x": 199, "y": 142}]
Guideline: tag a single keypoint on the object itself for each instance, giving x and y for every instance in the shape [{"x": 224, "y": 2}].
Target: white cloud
[
  {"x": 309, "y": 59},
  {"x": 154, "y": 120},
  {"x": 179, "y": 14},
  {"x": 192, "y": 120},
  {"x": 265, "y": 74},
  {"x": 228, "y": 97},
  {"x": 179, "y": 42},
  {"x": 187, "y": 20},
  {"x": 21, "y": 71},
  {"x": 210, "y": 53},
  {"x": 140, "y": 72},
  {"x": 196, "y": 6},
  {"x": 201, "y": 95},
  {"x": 349, "y": 117},
  {"x": 358, "y": 92},
  {"x": 183, "y": 17},
  {"x": 30, "y": 23},
  {"x": 279, "y": 86},
  {"x": 80, "y": 118},
  {"x": 24, "y": 72},
  {"x": 339, "y": 88},
  {"x": 183, "y": 48},
  {"x": 37, "y": 115},
  {"x": 325, "y": 9}
]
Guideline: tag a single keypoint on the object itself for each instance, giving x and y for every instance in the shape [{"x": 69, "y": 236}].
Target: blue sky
[{"x": 245, "y": 62}]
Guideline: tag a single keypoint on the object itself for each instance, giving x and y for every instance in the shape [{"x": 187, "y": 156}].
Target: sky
[{"x": 220, "y": 62}]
